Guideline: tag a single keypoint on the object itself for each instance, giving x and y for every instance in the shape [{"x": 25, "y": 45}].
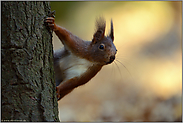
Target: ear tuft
[
  {"x": 112, "y": 31},
  {"x": 100, "y": 26}
]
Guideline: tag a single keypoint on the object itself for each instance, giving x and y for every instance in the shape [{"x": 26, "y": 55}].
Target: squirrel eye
[{"x": 102, "y": 47}]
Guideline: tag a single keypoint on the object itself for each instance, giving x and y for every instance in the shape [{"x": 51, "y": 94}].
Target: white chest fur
[{"x": 73, "y": 66}]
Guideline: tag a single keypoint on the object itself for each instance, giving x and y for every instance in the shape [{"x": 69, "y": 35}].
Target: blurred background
[{"x": 145, "y": 81}]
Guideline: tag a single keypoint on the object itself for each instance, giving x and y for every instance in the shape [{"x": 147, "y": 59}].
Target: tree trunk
[{"x": 28, "y": 85}]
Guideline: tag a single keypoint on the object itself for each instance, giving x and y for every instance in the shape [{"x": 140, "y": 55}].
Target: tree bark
[{"x": 28, "y": 85}]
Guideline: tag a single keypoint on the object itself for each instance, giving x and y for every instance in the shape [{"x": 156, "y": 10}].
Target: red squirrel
[{"x": 79, "y": 61}]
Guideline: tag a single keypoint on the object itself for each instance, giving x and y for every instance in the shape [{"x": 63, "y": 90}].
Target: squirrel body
[{"x": 79, "y": 60}]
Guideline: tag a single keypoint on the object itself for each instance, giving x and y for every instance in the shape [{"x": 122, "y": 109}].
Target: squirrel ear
[
  {"x": 99, "y": 34},
  {"x": 112, "y": 31}
]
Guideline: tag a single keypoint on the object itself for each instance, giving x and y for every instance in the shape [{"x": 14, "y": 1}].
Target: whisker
[
  {"x": 125, "y": 60},
  {"x": 119, "y": 70},
  {"x": 124, "y": 67},
  {"x": 112, "y": 71}
]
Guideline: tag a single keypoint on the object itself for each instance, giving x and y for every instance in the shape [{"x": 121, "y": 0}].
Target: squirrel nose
[{"x": 111, "y": 59}]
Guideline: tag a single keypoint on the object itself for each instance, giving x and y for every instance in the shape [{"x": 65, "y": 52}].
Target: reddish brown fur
[
  {"x": 86, "y": 50},
  {"x": 66, "y": 87}
]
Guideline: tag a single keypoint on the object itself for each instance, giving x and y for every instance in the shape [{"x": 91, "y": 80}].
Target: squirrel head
[{"x": 102, "y": 46}]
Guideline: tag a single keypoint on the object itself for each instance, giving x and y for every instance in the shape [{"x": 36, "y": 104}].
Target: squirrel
[{"x": 79, "y": 61}]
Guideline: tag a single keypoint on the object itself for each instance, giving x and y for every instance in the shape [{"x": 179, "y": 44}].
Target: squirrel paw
[
  {"x": 51, "y": 22},
  {"x": 58, "y": 93}
]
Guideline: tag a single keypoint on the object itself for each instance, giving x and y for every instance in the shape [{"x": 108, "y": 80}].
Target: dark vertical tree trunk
[{"x": 27, "y": 79}]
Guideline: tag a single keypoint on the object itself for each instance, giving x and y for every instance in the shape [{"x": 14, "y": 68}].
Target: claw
[
  {"x": 52, "y": 14},
  {"x": 50, "y": 19},
  {"x": 58, "y": 93},
  {"x": 50, "y": 22}
]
